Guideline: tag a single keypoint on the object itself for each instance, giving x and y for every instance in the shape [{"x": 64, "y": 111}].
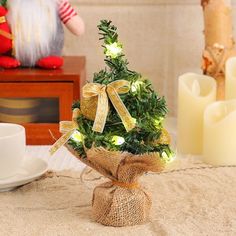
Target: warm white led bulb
[
  {"x": 117, "y": 140},
  {"x": 158, "y": 121},
  {"x": 113, "y": 50},
  {"x": 77, "y": 136},
  {"x": 136, "y": 85},
  {"x": 168, "y": 157}
]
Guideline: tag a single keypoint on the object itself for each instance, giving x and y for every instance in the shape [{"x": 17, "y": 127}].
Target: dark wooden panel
[{"x": 64, "y": 84}]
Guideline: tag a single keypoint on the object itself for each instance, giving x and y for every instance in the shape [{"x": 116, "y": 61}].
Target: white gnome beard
[{"x": 34, "y": 25}]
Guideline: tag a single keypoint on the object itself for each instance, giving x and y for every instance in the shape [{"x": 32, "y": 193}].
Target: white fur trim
[{"x": 34, "y": 25}]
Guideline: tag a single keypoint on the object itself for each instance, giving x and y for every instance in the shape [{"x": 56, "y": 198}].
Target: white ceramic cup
[{"x": 12, "y": 149}]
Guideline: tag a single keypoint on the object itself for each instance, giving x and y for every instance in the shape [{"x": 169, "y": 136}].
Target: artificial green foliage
[
  {"x": 3, "y": 2},
  {"x": 141, "y": 101}
]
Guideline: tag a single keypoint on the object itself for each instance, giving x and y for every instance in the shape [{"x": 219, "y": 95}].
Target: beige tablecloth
[{"x": 199, "y": 200}]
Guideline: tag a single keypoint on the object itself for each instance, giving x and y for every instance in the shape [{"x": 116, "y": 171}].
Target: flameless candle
[
  {"x": 230, "y": 80},
  {"x": 220, "y": 133},
  {"x": 195, "y": 93}
]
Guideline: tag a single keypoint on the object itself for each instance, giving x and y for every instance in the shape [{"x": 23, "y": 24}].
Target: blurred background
[{"x": 162, "y": 39}]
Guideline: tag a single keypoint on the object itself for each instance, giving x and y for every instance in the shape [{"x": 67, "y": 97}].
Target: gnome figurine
[{"x": 37, "y": 31}]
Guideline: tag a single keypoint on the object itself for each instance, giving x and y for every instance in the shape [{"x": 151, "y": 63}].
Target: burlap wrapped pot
[{"x": 121, "y": 201}]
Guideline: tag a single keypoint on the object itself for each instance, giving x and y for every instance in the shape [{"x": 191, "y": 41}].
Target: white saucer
[{"x": 32, "y": 168}]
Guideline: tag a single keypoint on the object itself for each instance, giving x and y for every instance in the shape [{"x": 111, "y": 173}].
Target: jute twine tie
[{"x": 133, "y": 185}]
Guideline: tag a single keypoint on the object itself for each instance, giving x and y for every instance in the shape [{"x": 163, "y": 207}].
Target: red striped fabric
[{"x": 66, "y": 11}]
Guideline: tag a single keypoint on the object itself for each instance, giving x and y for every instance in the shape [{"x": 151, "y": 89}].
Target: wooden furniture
[{"x": 64, "y": 84}]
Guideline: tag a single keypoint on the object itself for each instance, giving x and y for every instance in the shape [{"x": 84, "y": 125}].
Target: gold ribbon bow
[
  {"x": 112, "y": 92},
  {"x": 67, "y": 128}
]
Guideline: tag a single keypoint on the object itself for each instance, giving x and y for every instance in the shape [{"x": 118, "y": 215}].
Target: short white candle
[
  {"x": 195, "y": 93},
  {"x": 230, "y": 78},
  {"x": 220, "y": 133}
]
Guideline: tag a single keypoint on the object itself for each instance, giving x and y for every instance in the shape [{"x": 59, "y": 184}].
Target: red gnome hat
[{"x": 5, "y": 32}]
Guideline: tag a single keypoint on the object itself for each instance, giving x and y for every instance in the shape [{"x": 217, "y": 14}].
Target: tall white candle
[
  {"x": 195, "y": 93},
  {"x": 230, "y": 78},
  {"x": 220, "y": 133}
]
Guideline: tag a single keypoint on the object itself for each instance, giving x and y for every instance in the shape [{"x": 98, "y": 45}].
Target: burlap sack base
[
  {"x": 199, "y": 201},
  {"x": 113, "y": 205}
]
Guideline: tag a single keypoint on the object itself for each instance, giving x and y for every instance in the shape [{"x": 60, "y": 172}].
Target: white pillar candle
[
  {"x": 195, "y": 93},
  {"x": 230, "y": 78},
  {"x": 220, "y": 133}
]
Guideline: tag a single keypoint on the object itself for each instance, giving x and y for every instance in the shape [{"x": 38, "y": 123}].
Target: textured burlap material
[
  {"x": 121, "y": 201},
  {"x": 117, "y": 206}
]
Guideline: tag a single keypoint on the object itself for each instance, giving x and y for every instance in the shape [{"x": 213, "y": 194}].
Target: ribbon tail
[
  {"x": 66, "y": 126},
  {"x": 126, "y": 118},
  {"x": 60, "y": 142},
  {"x": 101, "y": 114}
]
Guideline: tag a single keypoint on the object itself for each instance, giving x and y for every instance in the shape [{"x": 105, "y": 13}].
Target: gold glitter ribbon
[
  {"x": 2, "y": 19},
  {"x": 111, "y": 91},
  {"x": 67, "y": 128}
]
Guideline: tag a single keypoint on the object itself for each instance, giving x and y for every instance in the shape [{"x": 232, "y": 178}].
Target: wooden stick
[{"x": 219, "y": 42}]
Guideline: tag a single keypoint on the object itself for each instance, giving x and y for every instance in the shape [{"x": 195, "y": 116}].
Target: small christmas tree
[
  {"x": 117, "y": 129},
  {"x": 145, "y": 107}
]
